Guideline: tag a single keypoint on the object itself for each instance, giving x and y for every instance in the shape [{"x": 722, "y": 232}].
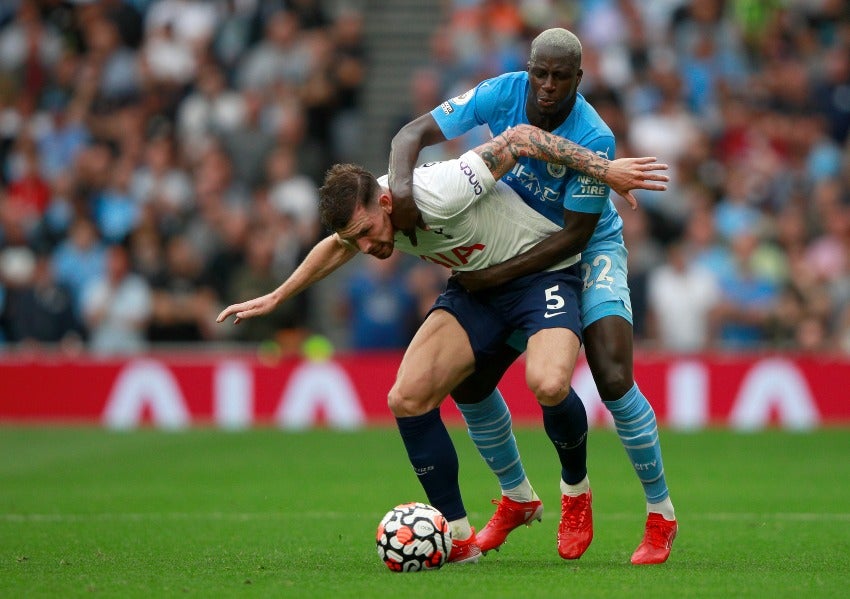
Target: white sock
[
  {"x": 575, "y": 490},
  {"x": 461, "y": 530},
  {"x": 665, "y": 508},
  {"x": 522, "y": 493}
]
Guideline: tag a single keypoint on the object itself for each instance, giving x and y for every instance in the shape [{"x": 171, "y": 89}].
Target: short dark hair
[{"x": 346, "y": 186}]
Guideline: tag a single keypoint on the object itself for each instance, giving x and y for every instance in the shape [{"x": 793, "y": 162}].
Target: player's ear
[{"x": 385, "y": 201}]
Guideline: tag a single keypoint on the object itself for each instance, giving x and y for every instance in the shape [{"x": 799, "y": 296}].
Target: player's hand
[
  {"x": 472, "y": 280},
  {"x": 255, "y": 307},
  {"x": 627, "y": 174},
  {"x": 405, "y": 215}
]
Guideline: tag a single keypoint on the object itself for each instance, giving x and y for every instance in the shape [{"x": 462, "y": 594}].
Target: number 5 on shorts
[{"x": 553, "y": 300}]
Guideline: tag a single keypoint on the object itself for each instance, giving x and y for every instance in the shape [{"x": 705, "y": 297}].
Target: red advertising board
[{"x": 348, "y": 391}]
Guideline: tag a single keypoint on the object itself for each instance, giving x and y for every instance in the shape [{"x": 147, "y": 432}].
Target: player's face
[
  {"x": 553, "y": 85},
  {"x": 371, "y": 230}
]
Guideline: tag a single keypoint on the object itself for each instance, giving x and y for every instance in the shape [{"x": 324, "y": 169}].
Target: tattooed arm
[
  {"x": 501, "y": 153},
  {"x": 623, "y": 175}
]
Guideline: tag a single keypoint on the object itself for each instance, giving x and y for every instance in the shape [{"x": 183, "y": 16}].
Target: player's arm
[
  {"x": 623, "y": 175},
  {"x": 500, "y": 154},
  {"x": 570, "y": 240},
  {"x": 327, "y": 256},
  {"x": 404, "y": 151}
]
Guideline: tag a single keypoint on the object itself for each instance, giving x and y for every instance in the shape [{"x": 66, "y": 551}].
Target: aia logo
[{"x": 457, "y": 257}]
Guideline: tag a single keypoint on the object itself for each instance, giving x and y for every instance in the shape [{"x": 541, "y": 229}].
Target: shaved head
[{"x": 556, "y": 41}]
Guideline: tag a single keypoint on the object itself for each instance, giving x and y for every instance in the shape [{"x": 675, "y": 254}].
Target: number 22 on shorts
[{"x": 602, "y": 279}]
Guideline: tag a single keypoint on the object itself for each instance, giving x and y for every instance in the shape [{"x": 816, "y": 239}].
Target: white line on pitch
[{"x": 294, "y": 514}]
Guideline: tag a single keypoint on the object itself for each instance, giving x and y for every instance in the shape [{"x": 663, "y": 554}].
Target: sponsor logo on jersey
[
  {"x": 447, "y": 108},
  {"x": 463, "y": 98},
  {"x": 591, "y": 187},
  {"x": 456, "y": 257},
  {"x": 471, "y": 177}
]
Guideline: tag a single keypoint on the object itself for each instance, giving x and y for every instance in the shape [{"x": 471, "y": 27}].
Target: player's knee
[
  {"x": 614, "y": 381},
  {"x": 405, "y": 403},
  {"x": 549, "y": 387}
]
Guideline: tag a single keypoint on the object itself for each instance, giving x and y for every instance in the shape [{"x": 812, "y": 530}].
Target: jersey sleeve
[
  {"x": 468, "y": 110},
  {"x": 445, "y": 189},
  {"x": 584, "y": 193}
]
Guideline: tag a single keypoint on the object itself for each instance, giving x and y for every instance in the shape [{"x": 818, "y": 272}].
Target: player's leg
[
  {"x": 608, "y": 345},
  {"x": 549, "y": 312},
  {"x": 456, "y": 335},
  {"x": 439, "y": 357},
  {"x": 488, "y": 422},
  {"x": 551, "y": 358}
]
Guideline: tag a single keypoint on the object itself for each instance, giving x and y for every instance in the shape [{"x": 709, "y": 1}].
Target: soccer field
[{"x": 264, "y": 513}]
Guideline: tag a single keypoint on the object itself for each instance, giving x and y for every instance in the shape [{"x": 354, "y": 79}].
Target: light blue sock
[
  {"x": 635, "y": 421},
  {"x": 489, "y": 426}
]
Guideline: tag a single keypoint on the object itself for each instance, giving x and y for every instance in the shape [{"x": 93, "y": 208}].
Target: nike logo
[{"x": 551, "y": 314}]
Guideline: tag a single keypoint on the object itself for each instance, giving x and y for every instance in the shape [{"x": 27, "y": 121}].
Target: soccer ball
[{"x": 413, "y": 537}]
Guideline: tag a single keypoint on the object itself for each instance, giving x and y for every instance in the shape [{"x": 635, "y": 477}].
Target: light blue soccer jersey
[{"x": 548, "y": 188}]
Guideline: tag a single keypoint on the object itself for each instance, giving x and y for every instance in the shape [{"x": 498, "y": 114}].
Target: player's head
[
  {"x": 554, "y": 72},
  {"x": 355, "y": 207}
]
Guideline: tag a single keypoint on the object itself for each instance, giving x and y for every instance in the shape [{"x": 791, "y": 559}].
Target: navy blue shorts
[{"x": 545, "y": 300}]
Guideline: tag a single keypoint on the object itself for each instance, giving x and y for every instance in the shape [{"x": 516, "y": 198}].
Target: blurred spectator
[
  {"x": 160, "y": 181},
  {"x": 115, "y": 65},
  {"x": 283, "y": 55},
  {"x": 184, "y": 303},
  {"x": 257, "y": 276},
  {"x": 117, "y": 307},
  {"x": 645, "y": 254},
  {"x": 348, "y": 75},
  {"x": 115, "y": 210},
  {"x": 249, "y": 144},
  {"x": 293, "y": 194},
  {"x": 27, "y": 188},
  {"x": 747, "y": 299},
  {"x": 29, "y": 48},
  {"x": 426, "y": 282},
  {"x": 80, "y": 259},
  {"x": 681, "y": 298},
  {"x": 382, "y": 310},
  {"x": 211, "y": 109},
  {"x": 37, "y": 309}
]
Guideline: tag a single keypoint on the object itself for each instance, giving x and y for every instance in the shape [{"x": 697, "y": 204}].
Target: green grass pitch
[{"x": 92, "y": 513}]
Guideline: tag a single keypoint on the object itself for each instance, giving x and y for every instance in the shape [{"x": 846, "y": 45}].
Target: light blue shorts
[{"x": 605, "y": 291}]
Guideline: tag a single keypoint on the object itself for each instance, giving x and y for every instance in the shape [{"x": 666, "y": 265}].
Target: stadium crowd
[{"x": 159, "y": 159}]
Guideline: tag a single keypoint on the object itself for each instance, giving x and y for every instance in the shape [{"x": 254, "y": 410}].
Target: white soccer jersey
[{"x": 474, "y": 221}]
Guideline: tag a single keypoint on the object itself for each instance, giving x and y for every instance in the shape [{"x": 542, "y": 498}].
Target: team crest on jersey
[
  {"x": 556, "y": 170},
  {"x": 463, "y": 98}
]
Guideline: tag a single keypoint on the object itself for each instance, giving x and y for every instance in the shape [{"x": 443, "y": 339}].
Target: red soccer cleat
[
  {"x": 466, "y": 551},
  {"x": 576, "y": 529},
  {"x": 657, "y": 540},
  {"x": 509, "y": 515}
]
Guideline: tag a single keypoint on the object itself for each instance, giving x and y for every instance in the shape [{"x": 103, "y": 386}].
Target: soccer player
[
  {"x": 546, "y": 96},
  {"x": 474, "y": 221}
]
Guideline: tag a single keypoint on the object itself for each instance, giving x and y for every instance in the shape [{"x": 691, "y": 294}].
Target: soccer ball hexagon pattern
[{"x": 413, "y": 537}]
